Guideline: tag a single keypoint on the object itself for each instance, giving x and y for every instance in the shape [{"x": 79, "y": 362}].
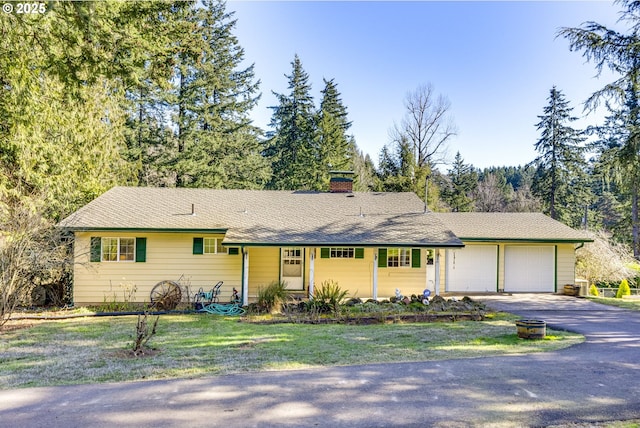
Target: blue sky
[{"x": 494, "y": 61}]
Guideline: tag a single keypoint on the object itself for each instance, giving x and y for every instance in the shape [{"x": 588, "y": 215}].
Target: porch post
[
  {"x": 436, "y": 265},
  {"x": 426, "y": 268},
  {"x": 312, "y": 258},
  {"x": 245, "y": 277},
  {"x": 375, "y": 274}
]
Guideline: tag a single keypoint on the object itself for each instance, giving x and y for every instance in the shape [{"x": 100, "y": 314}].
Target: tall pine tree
[
  {"x": 334, "y": 145},
  {"x": 61, "y": 100},
  {"x": 292, "y": 144},
  {"x": 561, "y": 162},
  {"x": 464, "y": 180},
  {"x": 619, "y": 52},
  {"x": 215, "y": 144}
]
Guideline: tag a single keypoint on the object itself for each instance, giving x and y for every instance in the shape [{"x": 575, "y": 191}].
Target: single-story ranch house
[{"x": 370, "y": 243}]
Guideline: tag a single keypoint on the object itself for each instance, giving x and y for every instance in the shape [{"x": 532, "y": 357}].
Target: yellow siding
[
  {"x": 354, "y": 275},
  {"x": 264, "y": 268},
  {"x": 566, "y": 273},
  {"x": 409, "y": 280},
  {"x": 169, "y": 256}
]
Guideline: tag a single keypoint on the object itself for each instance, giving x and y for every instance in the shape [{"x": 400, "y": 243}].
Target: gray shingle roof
[
  {"x": 510, "y": 226},
  {"x": 269, "y": 217}
]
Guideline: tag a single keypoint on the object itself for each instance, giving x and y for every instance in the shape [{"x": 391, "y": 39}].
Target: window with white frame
[
  {"x": 213, "y": 246},
  {"x": 118, "y": 249},
  {"x": 342, "y": 253},
  {"x": 399, "y": 257}
]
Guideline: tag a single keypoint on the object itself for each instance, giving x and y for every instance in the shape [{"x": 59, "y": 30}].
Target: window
[
  {"x": 292, "y": 253},
  {"x": 292, "y": 262},
  {"x": 342, "y": 253},
  {"x": 118, "y": 249},
  {"x": 213, "y": 246},
  {"x": 398, "y": 257},
  {"x": 208, "y": 246}
]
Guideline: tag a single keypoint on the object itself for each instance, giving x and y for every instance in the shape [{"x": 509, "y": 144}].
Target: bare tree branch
[{"x": 427, "y": 125}]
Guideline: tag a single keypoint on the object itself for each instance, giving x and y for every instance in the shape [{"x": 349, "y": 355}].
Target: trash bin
[{"x": 583, "y": 284}]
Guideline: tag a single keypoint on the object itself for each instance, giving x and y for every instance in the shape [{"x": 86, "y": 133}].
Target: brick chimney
[{"x": 340, "y": 184}]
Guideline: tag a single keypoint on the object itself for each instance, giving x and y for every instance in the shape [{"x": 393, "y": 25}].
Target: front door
[{"x": 292, "y": 268}]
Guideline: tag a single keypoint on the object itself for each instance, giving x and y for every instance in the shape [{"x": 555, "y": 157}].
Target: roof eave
[
  {"x": 142, "y": 229},
  {"x": 344, "y": 244},
  {"x": 528, "y": 240}
]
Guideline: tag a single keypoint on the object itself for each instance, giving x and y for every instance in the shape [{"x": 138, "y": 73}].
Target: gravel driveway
[{"x": 596, "y": 381}]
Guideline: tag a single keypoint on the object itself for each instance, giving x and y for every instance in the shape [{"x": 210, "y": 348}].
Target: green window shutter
[
  {"x": 233, "y": 251},
  {"x": 415, "y": 257},
  {"x": 382, "y": 257},
  {"x": 141, "y": 250},
  {"x": 96, "y": 241},
  {"x": 324, "y": 253},
  {"x": 198, "y": 245},
  {"x": 359, "y": 253}
]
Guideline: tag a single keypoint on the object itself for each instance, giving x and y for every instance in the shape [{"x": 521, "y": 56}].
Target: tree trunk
[{"x": 634, "y": 222}]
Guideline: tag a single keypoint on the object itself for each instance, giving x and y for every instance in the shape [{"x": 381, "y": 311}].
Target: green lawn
[
  {"x": 633, "y": 304},
  {"x": 89, "y": 350}
]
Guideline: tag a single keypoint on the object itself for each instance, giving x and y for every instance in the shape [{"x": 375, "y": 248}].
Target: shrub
[
  {"x": 271, "y": 297},
  {"x": 604, "y": 260},
  {"x": 328, "y": 296},
  {"x": 144, "y": 332},
  {"x": 624, "y": 289},
  {"x": 33, "y": 253},
  {"x": 593, "y": 290}
]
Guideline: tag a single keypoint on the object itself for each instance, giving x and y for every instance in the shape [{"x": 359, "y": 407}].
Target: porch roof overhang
[{"x": 373, "y": 230}]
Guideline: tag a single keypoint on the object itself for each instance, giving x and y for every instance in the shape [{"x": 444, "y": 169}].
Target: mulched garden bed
[
  {"x": 408, "y": 311},
  {"x": 381, "y": 319}
]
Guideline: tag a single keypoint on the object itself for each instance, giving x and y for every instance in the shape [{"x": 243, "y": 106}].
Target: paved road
[{"x": 598, "y": 380}]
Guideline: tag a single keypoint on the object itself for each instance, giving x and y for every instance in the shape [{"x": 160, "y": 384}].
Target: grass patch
[
  {"x": 633, "y": 304},
  {"x": 91, "y": 350}
]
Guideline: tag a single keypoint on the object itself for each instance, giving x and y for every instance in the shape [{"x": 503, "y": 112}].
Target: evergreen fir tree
[
  {"x": 464, "y": 180},
  {"x": 364, "y": 170},
  {"x": 619, "y": 53},
  {"x": 216, "y": 144},
  {"x": 561, "y": 160},
  {"x": 334, "y": 145},
  {"x": 292, "y": 144}
]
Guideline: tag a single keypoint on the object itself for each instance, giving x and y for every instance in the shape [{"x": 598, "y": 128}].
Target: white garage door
[
  {"x": 529, "y": 269},
  {"x": 472, "y": 268}
]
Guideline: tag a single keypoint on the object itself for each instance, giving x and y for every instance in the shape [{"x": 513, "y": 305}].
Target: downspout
[
  {"x": 436, "y": 263},
  {"x": 245, "y": 277}
]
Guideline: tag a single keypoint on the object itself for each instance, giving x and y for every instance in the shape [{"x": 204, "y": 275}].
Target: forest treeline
[{"x": 158, "y": 93}]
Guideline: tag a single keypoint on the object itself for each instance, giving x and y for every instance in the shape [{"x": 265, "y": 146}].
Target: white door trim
[{"x": 292, "y": 267}]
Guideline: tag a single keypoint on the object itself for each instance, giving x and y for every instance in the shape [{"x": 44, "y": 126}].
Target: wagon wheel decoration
[{"x": 166, "y": 295}]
